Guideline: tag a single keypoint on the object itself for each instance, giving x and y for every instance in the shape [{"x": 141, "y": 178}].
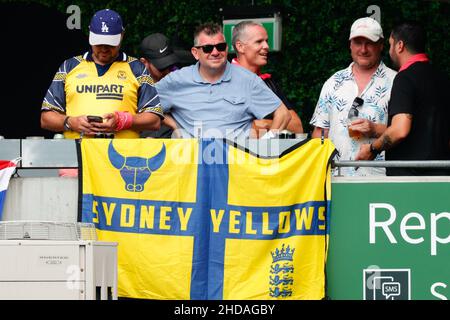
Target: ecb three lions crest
[
  {"x": 281, "y": 278},
  {"x": 135, "y": 171}
]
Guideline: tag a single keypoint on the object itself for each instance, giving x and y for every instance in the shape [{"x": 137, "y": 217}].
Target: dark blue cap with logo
[{"x": 106, "y": 28}]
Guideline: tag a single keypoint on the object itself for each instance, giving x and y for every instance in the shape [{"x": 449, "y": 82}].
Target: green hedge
[{"x": 315, "y": 33}]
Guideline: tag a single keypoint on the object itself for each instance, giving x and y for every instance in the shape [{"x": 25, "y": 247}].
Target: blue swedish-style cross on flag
[{"x": 202, "y": 219}]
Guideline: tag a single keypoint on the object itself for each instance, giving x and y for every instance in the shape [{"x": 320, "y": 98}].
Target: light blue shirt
[{"x": 225, "y": 108}]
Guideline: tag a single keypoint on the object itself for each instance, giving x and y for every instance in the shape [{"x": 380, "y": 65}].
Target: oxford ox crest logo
[
  {"x": 135, "y": 171},
  {"x": 281, "y": 278}
]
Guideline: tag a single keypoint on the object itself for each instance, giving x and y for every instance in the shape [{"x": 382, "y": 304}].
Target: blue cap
[{"x": 105, "y": 28}]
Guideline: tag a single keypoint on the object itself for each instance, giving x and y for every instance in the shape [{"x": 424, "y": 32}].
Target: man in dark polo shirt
[{"x": 419, "y": 109}]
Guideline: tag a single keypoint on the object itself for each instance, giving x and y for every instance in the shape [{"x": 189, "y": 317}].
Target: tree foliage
[{"x": 315, "y": 32}]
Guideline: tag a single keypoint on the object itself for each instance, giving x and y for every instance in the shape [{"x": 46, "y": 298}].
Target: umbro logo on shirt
[{"x": 121, "y": 75}]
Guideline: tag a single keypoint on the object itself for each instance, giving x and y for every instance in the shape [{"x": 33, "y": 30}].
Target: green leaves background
[{"x": 315, "y": 33}]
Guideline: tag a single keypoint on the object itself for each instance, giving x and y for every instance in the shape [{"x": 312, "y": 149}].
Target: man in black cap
[{"x": 160, "y": 58}]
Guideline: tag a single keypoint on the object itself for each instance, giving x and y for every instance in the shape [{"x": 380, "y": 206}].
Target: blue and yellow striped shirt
[{"x": 78, "y": 89}]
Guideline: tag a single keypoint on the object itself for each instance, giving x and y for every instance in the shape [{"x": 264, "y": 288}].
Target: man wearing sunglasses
[
  {"x": 214, "y": 98},
  {"x": 366, "y": 86}
]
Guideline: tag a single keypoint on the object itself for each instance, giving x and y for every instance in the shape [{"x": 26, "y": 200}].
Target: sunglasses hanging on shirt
[{"x": 354, "y": 112}]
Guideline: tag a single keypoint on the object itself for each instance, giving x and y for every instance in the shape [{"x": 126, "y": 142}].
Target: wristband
[
  {"x": 66, "y": 124},
  {"x": 124, "y": 120},
  {"x": 374, "y": 151}
]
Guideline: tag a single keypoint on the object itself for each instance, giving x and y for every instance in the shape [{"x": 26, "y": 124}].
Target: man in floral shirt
[{"x": 368, "y": 78}]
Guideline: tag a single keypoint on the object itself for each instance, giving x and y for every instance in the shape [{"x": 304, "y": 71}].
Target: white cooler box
[{"x": 31, "y": 268}]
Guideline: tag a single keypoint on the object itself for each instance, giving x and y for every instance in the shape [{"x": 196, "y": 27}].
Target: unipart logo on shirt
[{"x": 112, "y": 91}]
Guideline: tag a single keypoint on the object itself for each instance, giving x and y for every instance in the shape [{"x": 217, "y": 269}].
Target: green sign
[
  {"x": 389, "y": 241},
  {"x": 272, "y": 26}
]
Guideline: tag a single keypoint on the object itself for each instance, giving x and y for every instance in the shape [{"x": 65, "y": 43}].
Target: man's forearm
[
  {"x": 399, "y": 130},
  {"x": 378, "y": 129},
  {"x": 385, "y": 142},
  {"x": 170, "y": 122},
  {"x": 146, "y": 121},
  {"x": 393, "y": 135},
  {"x": 52, "y": 120},
  {"x": 281, "y": 118},
  {"x": 295, "y": 124}
]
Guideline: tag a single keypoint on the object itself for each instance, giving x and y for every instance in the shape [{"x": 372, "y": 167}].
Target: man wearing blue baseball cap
[
  {"x": 106, "y": 28},
  {"x": 104, "y": 92}
]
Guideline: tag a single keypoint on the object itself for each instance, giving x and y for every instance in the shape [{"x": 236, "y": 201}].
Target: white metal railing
[{"x": 61, "y": 153}]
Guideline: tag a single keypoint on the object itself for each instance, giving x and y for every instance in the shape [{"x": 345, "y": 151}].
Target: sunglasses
[
  {"x": 354, "y": 112},
  {"x": 208, "y": 48}
]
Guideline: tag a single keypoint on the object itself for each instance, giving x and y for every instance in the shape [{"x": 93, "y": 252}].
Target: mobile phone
[{"x": 95, "y": 119}]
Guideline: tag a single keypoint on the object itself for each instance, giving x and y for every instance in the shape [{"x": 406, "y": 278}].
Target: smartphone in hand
[{"x": 95, "y": 119}]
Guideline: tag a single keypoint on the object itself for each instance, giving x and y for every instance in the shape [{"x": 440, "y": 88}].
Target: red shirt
[
  {"x": 420, "y": 57},
  {"x": 263, "y": 76}
]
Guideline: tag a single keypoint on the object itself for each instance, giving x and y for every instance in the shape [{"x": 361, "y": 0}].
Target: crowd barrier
[{"x": 389, "y": 236}]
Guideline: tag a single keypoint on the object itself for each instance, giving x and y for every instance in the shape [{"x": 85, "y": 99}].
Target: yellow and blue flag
[{"x": 207, "y": 219}]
